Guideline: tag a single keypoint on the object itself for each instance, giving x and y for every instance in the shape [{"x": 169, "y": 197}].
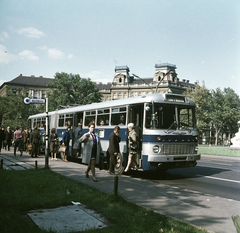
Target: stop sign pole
[{"x": 27, "y": 100}]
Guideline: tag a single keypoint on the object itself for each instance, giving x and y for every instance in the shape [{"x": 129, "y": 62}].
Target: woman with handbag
[
  {"x": 65, "y": 142},
  {"x": 53, "y": 144},
  {"x": 92, "y": 150},
  {"x": 132, "y": 147}
]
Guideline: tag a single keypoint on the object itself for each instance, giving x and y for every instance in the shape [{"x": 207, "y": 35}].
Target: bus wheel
[{"x": 119, "y": 167}]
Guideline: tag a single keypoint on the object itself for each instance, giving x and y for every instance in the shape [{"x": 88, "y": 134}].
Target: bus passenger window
[
  {"x": 103, "y": 117},
  {"x": 89, "y": 117},
  {"x": 61, "y": 121},
  {"x": 118, "y": 119},
  {"x": 68, "y": 120}
]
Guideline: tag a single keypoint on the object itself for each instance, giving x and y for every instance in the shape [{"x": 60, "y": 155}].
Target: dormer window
[{"x": 120, "y": 80}]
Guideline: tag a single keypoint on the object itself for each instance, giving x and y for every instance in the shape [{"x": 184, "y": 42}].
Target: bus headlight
[
  {"x": 196, "y": 148},
  {"x": 156, "y": 149}
]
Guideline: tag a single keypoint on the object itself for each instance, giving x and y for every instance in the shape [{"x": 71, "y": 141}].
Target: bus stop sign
[{"x": 27, "y": 100}]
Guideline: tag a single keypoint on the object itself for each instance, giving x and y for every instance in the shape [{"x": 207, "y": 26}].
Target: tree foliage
[
  {"x": 201, "y": 97},
  {"x": 224, "y": 116},
  {"x": 71, "y": 89},
  {"x": 13, "y": 111},
  {"x": 217, "y": 108}
]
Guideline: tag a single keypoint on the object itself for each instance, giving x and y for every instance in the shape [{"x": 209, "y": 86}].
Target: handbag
[
  {"x": 29, "y": 147},
  {"x": 62, "y": 149},
  {"x": 133, "y": 146}
]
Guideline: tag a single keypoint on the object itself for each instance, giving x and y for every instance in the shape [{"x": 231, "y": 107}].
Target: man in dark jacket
[
  {"x": 1, "y": 137},
  {"x": 35, "y": 138},
  {"x": 113, "y": 148},
  {"x": 8, "y": 137}
]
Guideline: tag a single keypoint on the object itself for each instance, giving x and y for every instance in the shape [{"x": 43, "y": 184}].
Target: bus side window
[
  {"x": 118, "y": 118},
  {"x": 68, "y": 120},
  {"x": 103, "y": 117},
  {"x": 61, "y": 121},
  {"x": 89, "y": 117}
]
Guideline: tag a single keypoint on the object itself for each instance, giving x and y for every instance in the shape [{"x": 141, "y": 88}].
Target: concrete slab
[{"x": 67, "y": 218}]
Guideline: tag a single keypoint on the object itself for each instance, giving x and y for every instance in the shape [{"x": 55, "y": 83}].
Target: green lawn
[
  {"x": 218, "y": 150},
  {"x": 21, "y": 191}
]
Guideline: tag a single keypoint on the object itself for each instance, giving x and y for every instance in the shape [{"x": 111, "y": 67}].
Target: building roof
[
  {"x": 30, "y": 81},
  {"x": 102, "y": 86}
]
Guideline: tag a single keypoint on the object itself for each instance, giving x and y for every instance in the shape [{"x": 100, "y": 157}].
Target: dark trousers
[
  {"x": 18, "y": 143},
  {"x": 112, "y": 162},
  {"x": 34, "y": 149}
]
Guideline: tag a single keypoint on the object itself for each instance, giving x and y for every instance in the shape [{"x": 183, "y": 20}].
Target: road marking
[
  {"x": 216, "y": 178},
  {"x": 213, "y": 162}
]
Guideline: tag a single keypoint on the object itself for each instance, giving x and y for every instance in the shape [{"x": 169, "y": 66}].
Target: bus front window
[{"x": 164, "y": 117}]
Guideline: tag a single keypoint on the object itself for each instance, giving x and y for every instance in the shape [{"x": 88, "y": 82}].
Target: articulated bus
[{"x": 165, "y": 124}]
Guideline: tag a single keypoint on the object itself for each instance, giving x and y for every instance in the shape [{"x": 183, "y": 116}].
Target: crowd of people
[{"x": 22, "y": 138}]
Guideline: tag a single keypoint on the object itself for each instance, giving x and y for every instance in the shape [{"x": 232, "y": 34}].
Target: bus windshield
[{"x": 169, "y": 117}]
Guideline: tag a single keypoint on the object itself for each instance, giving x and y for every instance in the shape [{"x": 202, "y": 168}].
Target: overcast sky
[{"x": 91, "y": 37}]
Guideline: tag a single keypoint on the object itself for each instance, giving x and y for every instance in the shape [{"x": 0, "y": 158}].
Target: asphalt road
[{"x": 211, "y": 176}]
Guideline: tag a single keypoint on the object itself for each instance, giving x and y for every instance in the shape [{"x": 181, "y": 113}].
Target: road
[{"x": 217, "y": 177}]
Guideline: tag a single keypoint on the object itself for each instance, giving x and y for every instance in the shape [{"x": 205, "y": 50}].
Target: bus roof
[{"x": 156, "y": 98}]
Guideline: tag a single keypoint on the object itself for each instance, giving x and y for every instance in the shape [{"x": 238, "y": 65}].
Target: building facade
[
  {"x": 124, "y": 85},
  {"x": 35, "y": 86}
]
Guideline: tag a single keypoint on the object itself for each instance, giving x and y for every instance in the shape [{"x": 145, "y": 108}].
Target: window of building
[
  {"x": 43, "y": 94},
  {"x": 35, "y": 94}
]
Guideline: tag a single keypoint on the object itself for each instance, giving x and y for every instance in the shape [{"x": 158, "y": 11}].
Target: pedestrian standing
[
  {"x": 8, "y": 137},
  {"x": 17, "y": 140},
  {"x": 34, "y": 139},
  {"x": 53, "y": 144},
  {"x": 92, "y": 150},
  {"x": 26, "y": 138},
  {"x": 1, "y": 138},
  {"x": 113, "y": 149},
  {"x": 65, "y": 142},
  {"x": 77, "y": 144},
  {"x": 132, "y": 147}
]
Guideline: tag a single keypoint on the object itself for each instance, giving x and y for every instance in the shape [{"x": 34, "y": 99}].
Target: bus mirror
[{"x": 147, "y": 108}]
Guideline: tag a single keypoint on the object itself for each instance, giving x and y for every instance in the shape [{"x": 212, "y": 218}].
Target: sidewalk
[{"x": 196, "y": 208}]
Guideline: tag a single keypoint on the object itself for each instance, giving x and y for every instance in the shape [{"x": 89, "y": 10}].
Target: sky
[{"x": 91, "y": 37}]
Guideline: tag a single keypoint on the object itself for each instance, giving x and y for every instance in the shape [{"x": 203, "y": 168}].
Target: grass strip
[
  {"x": 22, "y": 191},
  {"x": 218, "y": 150}
]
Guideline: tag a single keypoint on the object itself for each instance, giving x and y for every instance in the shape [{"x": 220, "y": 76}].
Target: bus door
[{"x": 136, "y": 117}]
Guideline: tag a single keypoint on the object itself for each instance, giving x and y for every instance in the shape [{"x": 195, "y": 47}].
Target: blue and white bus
[{"x": 165, "y": 124}]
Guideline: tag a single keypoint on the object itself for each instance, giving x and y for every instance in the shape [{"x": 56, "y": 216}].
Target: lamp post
[{"x": 47, "y": 138}]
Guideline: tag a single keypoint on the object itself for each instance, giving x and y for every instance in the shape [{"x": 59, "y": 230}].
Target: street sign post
[{"x": 28, "y": 100}]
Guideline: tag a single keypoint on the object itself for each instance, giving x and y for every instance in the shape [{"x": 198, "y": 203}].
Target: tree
[
  {"x": 71, "y": 89},
  {"x": 201, "y": 97},
  {"x": 13, "y": 111},
  {"x": 223, "y": 114}
]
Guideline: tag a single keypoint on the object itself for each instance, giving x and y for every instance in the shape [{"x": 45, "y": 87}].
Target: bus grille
[{"x": 178, "y": 149}]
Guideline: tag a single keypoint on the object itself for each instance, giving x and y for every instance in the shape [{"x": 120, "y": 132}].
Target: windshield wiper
[{"x": 171, "y": 126}]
